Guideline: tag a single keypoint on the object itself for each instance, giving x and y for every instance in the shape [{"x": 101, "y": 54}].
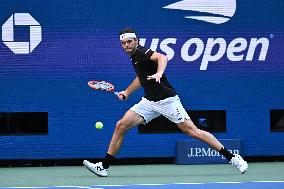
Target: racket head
[{"x": 101, "y": 85}]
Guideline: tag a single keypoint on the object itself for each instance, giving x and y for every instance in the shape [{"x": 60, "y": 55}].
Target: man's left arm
[{"x": 162, "y": 64}]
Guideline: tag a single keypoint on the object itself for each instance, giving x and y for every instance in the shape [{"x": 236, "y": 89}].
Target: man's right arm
[{"x": 130, "y": 89}]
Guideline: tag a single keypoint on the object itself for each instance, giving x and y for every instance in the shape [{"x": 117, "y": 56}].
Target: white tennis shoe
[
  {"x": 239, "y": 163},
  {"x": 96, "y": 168}
]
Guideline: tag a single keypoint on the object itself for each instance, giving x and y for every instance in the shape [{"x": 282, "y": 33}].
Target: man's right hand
[{"x": 122, "y": 95}]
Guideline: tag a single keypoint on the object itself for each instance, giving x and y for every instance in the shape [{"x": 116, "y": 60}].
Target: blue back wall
[{"x": 80, "y": 43}]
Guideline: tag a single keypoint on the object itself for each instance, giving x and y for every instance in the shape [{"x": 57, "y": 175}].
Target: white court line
[
  {"x": 71, "y": 186},
  {"x": 229, "y": 182},
  {"x": 150, "y": 184},
  {"x": 25, "y": 187},
  {"x": 266, "y": 181},
  {"x": 193, "y": 183},
  {"x": 187, "y": 183},
  {"x": 111, "y": 185},
  {"x": 233, "y": 182}
]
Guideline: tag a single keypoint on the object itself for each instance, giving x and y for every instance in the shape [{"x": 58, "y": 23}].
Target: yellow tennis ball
[{"x": 99, "y": 125}]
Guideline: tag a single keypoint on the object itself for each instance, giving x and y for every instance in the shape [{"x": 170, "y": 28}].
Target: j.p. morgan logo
[
  {"x": 212, "y": 11},
  {"x": 21, "y": 47},
  {"x": 206, "y": 152}
]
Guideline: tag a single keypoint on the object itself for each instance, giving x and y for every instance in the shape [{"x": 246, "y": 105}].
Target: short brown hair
[{"x": 127, "y": 30}]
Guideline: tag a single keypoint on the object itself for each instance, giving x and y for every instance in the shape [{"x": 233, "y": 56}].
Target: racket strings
[{"x": 103, "y": 86}]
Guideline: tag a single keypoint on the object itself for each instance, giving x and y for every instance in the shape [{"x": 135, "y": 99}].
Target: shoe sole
[{"x": 94, "y": 171}]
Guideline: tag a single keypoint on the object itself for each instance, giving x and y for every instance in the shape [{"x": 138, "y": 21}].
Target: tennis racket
[{"x": 103, "y": 86}]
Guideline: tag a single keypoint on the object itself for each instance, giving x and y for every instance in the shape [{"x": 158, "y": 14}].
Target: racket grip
[{"x": 116, "y": 93}]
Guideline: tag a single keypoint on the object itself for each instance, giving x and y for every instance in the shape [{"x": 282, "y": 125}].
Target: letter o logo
[{"x": 23, "y": 19}]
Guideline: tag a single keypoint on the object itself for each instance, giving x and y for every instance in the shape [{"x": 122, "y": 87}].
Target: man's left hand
[{"x": 156, "y": 76}]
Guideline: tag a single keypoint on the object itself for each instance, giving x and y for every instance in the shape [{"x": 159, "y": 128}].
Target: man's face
[{"x": 129, "y": 45}]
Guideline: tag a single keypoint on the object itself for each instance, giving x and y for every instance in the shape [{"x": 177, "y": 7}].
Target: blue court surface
[{"x": 219, "y": 185}]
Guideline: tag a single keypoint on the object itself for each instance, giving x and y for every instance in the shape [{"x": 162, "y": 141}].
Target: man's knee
[
  {"x": 186, "y": 125},
  {"x": 189, "y": 128},
  {"x": 121, "y": 126}
]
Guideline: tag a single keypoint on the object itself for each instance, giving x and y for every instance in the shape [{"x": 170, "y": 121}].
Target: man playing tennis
[{"x": 160, "y": 99}]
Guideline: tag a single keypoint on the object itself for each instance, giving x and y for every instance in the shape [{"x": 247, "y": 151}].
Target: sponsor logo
[
  {"x": 20, "y": 47},
  {"x": 197, "y": 152},
  {"x": 213, "y": 11},
  {"x": 208, "y": 152},
  {"x": 238, "y": 49}
]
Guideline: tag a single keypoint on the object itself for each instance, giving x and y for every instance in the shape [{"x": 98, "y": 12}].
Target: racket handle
[{"x": 116, "y": 93}]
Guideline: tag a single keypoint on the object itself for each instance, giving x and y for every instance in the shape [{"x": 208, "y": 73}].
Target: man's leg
[
  {"x": 190, "y": 129},
  {"x": 129, "y": 120}
]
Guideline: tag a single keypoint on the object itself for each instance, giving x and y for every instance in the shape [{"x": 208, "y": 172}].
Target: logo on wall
[
  {"x": 214, "y": 11},
  {"x": 196, "y": 152},
  {"x": 20, "y": 47}
]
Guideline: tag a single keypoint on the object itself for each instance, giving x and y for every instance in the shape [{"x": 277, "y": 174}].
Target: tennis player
[{"x": 160, "y": 99}]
